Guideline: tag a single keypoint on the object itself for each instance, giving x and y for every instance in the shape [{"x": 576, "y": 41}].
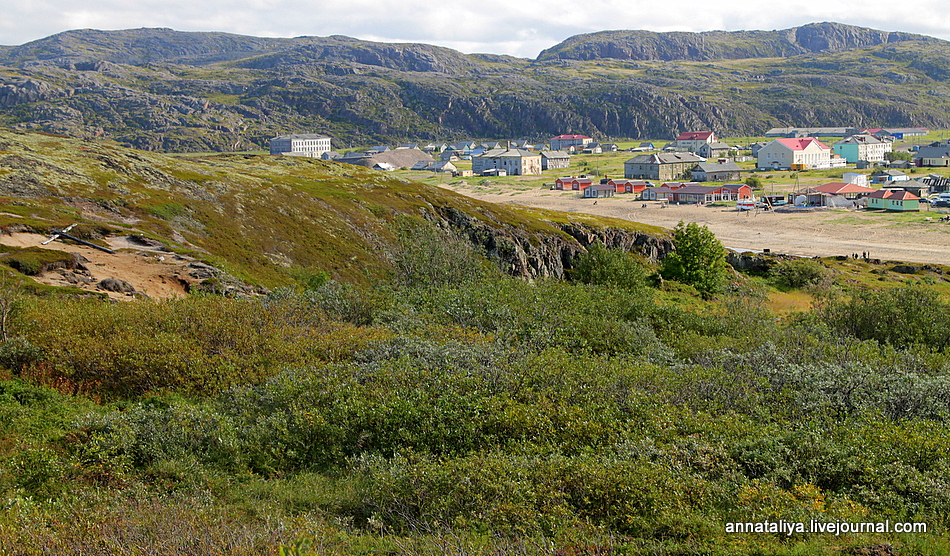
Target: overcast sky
[{"x": 517, "y": 27}]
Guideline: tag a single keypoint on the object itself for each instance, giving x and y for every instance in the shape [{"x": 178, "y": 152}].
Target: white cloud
[{"x": 521, "y": 28}]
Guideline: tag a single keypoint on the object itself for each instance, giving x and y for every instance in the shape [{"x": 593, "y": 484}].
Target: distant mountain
[
  {"x": 723, "y": 45},
  {"x": 168, "y": 90}
]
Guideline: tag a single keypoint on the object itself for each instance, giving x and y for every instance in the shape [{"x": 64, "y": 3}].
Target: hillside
[
  {"x": 816, "y": 38},
  {"x": 260, "y": 220},
  {"x": 164, "y": 90}
]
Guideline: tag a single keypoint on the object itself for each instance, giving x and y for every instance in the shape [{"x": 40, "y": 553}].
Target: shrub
[
  {"x": 429, "y": 257},
  {"x": 800, "y": 273},
  {"x": 698, "y": 259},
  {"x": 603, "y": 266}
]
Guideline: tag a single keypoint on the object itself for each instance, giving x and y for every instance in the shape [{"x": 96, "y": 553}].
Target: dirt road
[{"x": 910, "y": 238}]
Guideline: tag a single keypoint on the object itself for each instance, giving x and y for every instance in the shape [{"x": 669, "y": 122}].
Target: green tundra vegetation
[
  {"x": 450, "y": 409},
  {"x": 394, "y": 392}
]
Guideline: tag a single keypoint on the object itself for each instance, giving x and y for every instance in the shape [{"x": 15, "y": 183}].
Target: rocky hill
[
  {"x": 164, "y": 90},
  {"x": 723, "y": 45}
]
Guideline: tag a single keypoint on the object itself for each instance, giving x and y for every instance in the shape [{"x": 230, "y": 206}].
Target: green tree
[
  {"x": 600, "y": 265},
  {"x": 698, "y": 258},
  {"x": 754, "y": 182}
]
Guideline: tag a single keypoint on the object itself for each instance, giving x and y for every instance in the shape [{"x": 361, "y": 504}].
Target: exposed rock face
[
  {"x": 527, "y": 255},
  {"x": 22, "y": 90}
]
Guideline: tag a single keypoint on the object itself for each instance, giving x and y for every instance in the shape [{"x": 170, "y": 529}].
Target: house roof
[
  {"x": 888, "y": 172},
  {"x": 508, "y": 153},
  {"x": 665, "y": 158},
  {"x": 862, "y": 138},
  {"x": 718, "y": 167},
  {"x": 631, "y": 182},
  {"x": 554, "y": 154},
  {"x": 840, "y": 188},
  {"x": 801, "y": 143},
  {"x": 897, "y": 194},
  {"x": 304, "y": 136},
  {"x": 933, "y": 152},
  {"x": 697, "y": 189},
  {"x": 571, "y": 137},
  {"x": 694, "y": 136}
]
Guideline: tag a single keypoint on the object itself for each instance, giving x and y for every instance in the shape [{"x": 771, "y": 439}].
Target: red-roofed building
[
  {"x": 564, "y": 142},
  {"x": 846, "y": 190},
  {"x": 893, "y": 199},
  {"x": 798, "y": 153},
  {"x": 693, "y": 193},
  {"x": 691, "y": 141},
  {"x": 628, "y": 186},
  {"x": 572, "y": 184}
]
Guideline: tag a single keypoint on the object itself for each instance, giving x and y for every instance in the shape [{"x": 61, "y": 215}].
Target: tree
[
  {"x": 698, "y": 258},
  {"x": 754, "y": 182}
]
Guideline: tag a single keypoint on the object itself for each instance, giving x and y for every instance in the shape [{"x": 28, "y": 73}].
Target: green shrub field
[{"x": 454, "y": 410}]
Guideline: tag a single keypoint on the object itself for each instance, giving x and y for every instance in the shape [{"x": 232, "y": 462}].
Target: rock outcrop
[{"x": 546, "y": 255}]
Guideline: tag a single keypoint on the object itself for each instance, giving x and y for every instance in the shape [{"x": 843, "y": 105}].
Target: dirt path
[{"x": 822, "y": 233}]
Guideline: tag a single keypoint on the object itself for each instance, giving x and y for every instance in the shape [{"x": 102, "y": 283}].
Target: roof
[
  {"x": 697, "y": 189},
  {"x": 896, "y": 194},
  {"x": 571, "y": 137},
  {"x": 801, "y": 143},
  {"x": 399, "y": 158},
  {"x": 554, "y": 154},
  {"x": 303, "y": 136},
  {"x": 632, "y": 182},
  {"x": 665, "y": 158},
  {"x": 860, "y": 138},
  {"x": 933, "y": 152},
  {"x": 840, "y": 188},
  {"x": 694, "y": 135},
  {"x": 719, "y": 167}
]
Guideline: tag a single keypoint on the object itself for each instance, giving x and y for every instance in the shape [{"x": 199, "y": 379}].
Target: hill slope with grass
[{"x": 267, "y": 220}]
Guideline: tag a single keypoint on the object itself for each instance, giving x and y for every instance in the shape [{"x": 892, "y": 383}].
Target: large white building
[
  {"x": 516, "y": 162},
  {"x": 794, "y": 154},
  {"x": 300, "y": 144},
  {"x": 863, "y": 147}
]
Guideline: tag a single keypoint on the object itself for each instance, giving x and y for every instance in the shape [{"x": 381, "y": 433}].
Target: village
[{"x": 695, "y": 168}]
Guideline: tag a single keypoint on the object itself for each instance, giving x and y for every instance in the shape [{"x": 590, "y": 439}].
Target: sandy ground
[
  {"x": 822, "y": 233},
  {"x": 150, "y": 271}
]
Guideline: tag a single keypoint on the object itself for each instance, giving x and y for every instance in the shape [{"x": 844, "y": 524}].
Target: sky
[{"x": 517, "y": 27}]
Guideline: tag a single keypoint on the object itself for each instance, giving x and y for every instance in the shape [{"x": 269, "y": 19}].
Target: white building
[
  {"x": 794, "y": 154},
  {"x": 691, "y": 141},
  {"x": 863, "y": 147},
  {"x": 300, "y": 144}
]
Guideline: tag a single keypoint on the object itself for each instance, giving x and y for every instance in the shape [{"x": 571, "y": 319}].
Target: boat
[{"x": 745, "y": 204}]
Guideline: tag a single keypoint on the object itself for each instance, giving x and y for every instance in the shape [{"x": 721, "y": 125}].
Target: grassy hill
[{"x": 264, "y": 219}]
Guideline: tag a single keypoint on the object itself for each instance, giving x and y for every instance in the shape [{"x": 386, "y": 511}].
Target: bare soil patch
[{"x": 150, "y": 271}]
